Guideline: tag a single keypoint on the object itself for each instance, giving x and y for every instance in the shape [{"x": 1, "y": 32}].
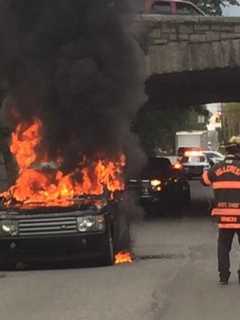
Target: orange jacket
[{"x": 224, "y": 178}]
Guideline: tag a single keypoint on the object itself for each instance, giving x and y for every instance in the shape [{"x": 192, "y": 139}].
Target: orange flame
[
  {"x": 24, "y": 141},
  {"x": 40, "y": 182},
  {"x": 123, "y": 257}
]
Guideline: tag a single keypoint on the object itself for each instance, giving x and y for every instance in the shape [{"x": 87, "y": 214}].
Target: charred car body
[
  {"x": 162, "y": 184},
  {"x": 93, "y": 229}
]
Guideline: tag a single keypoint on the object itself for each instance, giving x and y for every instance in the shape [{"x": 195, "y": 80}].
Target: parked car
[
  {"x": 162, "y": 183},
  {"x": 214, "y": 157},
  {"x": 194, "y": 163},
  {"x": 92, "y": 229},
  {"x": 172, "y": 7}
]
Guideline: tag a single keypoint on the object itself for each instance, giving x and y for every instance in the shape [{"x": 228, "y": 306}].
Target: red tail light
[{"x": 177, "y": 166}]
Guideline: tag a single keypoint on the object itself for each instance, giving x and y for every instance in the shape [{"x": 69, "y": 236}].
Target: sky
[{"x": 231, "y": 11}]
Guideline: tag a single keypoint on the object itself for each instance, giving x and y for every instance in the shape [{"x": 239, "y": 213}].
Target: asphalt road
[{"x": 173, "y": 277}]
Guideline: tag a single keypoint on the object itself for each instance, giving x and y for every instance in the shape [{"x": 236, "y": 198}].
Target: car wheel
[
  {"x": 1, "y": 265},
  {"x": 6, "y": 265},
  {"x": 108, "y": 257},
  {"x": 122, "y": 241},
  {"x": 155, "y": 209},
  {"x": 186, "y": 195}
]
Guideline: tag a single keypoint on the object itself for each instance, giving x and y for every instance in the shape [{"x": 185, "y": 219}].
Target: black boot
[
  {"x": 239, "y": 276},
  {"x": 223, "y": 278},
  {"x": 223, "y": 282}
]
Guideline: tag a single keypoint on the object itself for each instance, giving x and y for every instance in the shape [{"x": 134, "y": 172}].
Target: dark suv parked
[{"x": 162, "y": 184}]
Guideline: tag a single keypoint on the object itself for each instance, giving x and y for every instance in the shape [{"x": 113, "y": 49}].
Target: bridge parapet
[{"x": 184, "y": 43}]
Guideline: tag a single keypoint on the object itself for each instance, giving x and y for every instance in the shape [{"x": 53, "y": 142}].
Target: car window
[
  {"x": 201, "y": 159},
  {"x": 162, "y": 163},
  {"x": 161, "y": 7},
  {"x": 157, "y": 165},
  {"x": 214, "y": 155},
  {"x": 194, "y": 159},
  {"x": 209, "y": 157},
  {"x": 186, "y": 9}
]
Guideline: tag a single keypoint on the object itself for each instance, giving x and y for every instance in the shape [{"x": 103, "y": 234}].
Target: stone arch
[{"x": 194, "y": 87}]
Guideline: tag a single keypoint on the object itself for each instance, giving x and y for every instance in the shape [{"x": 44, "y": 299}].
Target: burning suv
[{"x": 54, "y": 216}]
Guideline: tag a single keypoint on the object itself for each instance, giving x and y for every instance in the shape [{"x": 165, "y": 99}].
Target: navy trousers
[{"x": 225, "y": 239}]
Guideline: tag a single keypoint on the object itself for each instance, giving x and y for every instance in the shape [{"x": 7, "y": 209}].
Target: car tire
[
  {"x": 108, "y": 257},
  {"x": 6, "y": 265},
  {"x": 1, "y": 265},
  {"x": 186, "y": 196},
  {"x": 122, "y": 234}
]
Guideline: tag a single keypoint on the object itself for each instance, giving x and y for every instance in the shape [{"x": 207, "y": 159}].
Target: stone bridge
[{"x": 190, "y": 59}]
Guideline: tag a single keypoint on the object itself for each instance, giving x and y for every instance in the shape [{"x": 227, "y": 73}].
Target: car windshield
[
  {"x": 187, "y": 9},
  {"x": 214, "y": 155},
  {"x": 157, "y": 166},
  {"x": 161, "y": 7}
]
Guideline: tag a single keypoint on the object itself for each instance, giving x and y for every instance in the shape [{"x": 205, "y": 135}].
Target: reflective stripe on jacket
[{"x": 228, "y": 218}]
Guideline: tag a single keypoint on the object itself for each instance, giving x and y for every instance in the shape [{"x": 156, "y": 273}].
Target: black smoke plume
[{"x": 73, "y": 64}]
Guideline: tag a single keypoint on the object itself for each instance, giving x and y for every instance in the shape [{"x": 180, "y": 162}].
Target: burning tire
[{"x": 117, "y": 238}]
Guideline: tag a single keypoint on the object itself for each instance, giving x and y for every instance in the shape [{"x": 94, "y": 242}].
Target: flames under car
[{"x": 93, "y": 229}]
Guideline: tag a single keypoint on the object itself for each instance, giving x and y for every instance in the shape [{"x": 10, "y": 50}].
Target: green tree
[
  {"x": 214, "y": 7},
  {"x": 230, "y": 120},
  {"x": 156, "y": 127}
]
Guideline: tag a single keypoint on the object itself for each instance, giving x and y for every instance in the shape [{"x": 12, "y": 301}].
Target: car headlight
[
  {"x": 155, "y": 183},
  {"x": 91, "y": 223},
  {"x": 8, "y": 228}
]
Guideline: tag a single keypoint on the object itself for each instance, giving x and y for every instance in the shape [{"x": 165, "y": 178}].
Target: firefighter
[{"x": 224, "y": 178}]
